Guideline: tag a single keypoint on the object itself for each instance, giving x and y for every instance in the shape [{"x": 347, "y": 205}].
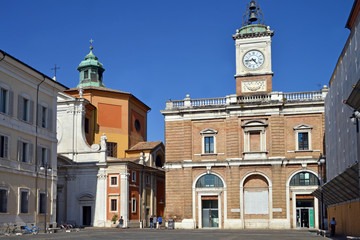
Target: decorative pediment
[
  {"x": 208, "y": 131},
  {"x": 64, "y": 161},
  {"x": 303, "y": 126},
  {"x": 64, "y": 97},
  {"x": 86, "y": 197},
  {"x": 254, "y": 123}
]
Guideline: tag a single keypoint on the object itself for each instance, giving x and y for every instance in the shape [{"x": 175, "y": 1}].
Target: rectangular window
[
  {"x": 25, "y": 110},
  {"x": 43, "y": 156},
  {"x": 133, "y": 205},
  {"x": 113, "y": 206},
  {"x": 133, "y": 176},
  {"x": 3, "y": 100},
  {"x": 4, "y": 141},
  {"x": 44, "y": 112},
  {"x": 86, "y": 74},
  {"x": 209, "y": 144},
  {"x": 3, "y": 200},
  {"x": 303, "y": 141},
  {"x": 24, "y": 151},
  {"x": 111, "y": 149},
  {"x": 147, "y": 179},
  {"x": 87, "y": 126},
  {"x": 24, "y": 201},
  {"x": 114, "y": 181},
  {"x": 42, "y": 203}
]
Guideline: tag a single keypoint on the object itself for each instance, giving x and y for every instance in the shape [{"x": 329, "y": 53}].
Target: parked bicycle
[
  {"x": 8, "y": 229},
  {"x": 33, "y": 230}
]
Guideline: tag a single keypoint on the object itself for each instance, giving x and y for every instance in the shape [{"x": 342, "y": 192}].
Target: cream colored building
[{"x": 27, "y": 143}]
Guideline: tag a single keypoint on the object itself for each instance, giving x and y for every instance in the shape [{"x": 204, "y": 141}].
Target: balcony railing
[{"x": 273, "y": 97}]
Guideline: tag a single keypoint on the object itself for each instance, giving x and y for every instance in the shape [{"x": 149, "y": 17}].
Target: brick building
[{"x": 247, "y": 160}]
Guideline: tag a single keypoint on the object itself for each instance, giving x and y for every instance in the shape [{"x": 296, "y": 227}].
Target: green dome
[
  {"x": 254, "y": 28},
  {"x": 91, "y": 71},
  {"x": 90, "y": 60}
]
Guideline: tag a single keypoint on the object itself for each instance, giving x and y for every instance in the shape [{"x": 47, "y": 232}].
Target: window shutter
[
  {"x": 39, "y": 155},
  {"x": 6, "y": 146},
  {"x": 6, "y": 201},
  {"x": 50, "y": 119},
  {"x": 39, "y": 115},
  {"x": 20, "y": 150},
  {"x": 20, "y": 107},
  {"x": 11, "y": 103},
  {"x": 31, "y": 112},
  {"x": 31, "y": 146},
  {"x": 48, "y": 156}
]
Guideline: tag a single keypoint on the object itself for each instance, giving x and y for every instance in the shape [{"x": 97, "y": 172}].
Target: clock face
[{"x": 253, "y": 59}]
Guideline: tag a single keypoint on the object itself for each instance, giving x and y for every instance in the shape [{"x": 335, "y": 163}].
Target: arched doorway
[
  {"x": 209, "y": 189},
  {"x": 304, "y": 206},
  {"x": 256, "y": 200}
]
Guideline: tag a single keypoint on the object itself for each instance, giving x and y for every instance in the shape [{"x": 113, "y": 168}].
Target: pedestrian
[
  {"x": 332, "y": 226},
  {"x": 160, "y": 221},
  {"x": 151, "y": 221},
  {"x": 121, "y": 222},
  {"x": 154, "y": 221}
]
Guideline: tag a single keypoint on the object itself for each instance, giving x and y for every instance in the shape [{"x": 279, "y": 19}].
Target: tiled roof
[{"x": 145, "y": 145}]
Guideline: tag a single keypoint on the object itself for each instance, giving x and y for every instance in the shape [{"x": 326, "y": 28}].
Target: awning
[
  {"x": 354, "y": 97},
  {"x": 342, "y": 188}
]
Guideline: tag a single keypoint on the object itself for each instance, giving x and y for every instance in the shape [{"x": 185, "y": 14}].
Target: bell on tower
[
  {"x": 91, "y": 71},
  {"x": 253, "y": 53},
  {"x": 253, "y": 14}
]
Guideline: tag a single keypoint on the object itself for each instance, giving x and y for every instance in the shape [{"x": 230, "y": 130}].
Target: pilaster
[{"x": 124, "y": 197}]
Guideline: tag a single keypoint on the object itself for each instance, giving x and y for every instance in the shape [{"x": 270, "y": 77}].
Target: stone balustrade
[{"x": 272, "y": 97}]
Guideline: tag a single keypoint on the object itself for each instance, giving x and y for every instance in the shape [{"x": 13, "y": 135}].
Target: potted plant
[{"x": 113, "y": 220}]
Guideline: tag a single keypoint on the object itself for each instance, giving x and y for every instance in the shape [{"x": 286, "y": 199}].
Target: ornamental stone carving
[
  {"x": 101, "y": 176},
  {"x": 103, "y": 142},
  {"x": 95, "y": 147}
]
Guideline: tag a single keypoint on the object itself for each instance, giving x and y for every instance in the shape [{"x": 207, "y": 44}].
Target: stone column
[
  {"x": 100, "y": 201},
  {"x": 124, "y": 197},
  {"x": 152, "y": 194}
]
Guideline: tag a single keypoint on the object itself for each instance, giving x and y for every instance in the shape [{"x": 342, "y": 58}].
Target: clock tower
[{"x": 253, "y": 53}]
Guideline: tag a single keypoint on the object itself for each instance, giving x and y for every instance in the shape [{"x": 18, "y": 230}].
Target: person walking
[
  {"x": 160, "y": 221},
  {"x": 332, "y": 226},
  {"x": 154, "y": 222},
  {"x": 121, "y": 222},
  {"x": 151, "y": 222}
]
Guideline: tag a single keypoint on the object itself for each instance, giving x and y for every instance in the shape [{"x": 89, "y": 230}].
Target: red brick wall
[{"x": 112, "y": 192}]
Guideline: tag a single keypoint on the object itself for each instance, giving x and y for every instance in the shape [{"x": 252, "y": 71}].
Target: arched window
[
  {"x": 208, "y": 181},
  {"x": 304, "y": 179}
]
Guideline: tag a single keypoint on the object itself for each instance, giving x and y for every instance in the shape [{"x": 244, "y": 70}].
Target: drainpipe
[{"x": 36, "y": 147}]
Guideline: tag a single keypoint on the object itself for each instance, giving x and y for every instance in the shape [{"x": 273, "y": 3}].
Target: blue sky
[{"x": 164, "y": 49}]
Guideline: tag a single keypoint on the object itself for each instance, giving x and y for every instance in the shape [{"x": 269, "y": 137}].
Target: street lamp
[
  {"x": 46, "y": 167},
  {"x": 321, "y": 163}
]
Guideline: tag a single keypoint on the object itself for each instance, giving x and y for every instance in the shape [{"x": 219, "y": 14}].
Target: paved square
[{"x": 203, "y": 234}]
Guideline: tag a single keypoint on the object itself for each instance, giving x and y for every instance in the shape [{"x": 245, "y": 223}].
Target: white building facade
[
  {"x": 82, "y": 180},
  {"x": 27, "y": 143}
]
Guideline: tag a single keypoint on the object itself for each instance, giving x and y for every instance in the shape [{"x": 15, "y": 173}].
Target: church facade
[
  {"x": 106, "y": 168},
  {"x": 250, "y": 159}
]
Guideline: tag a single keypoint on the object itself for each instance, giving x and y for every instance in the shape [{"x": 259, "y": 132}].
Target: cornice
[{"x": 253, "y": 35}]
